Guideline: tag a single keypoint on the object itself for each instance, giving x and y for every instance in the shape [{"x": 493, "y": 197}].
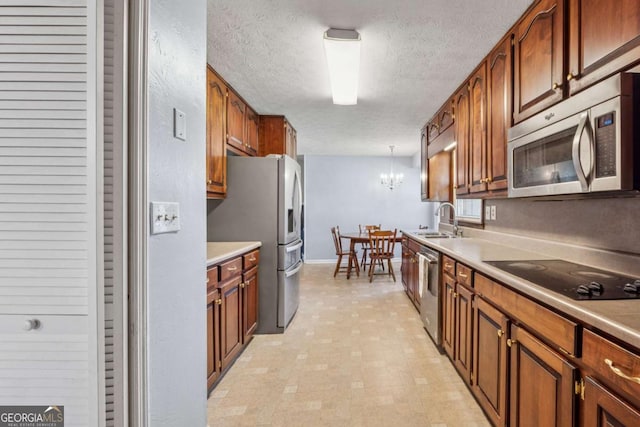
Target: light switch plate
[
  {"x": 487, "y": 213},
  {"x": 493, "y": 212},
  {"x": 165, "y": 217},
  {"x": 179, "y": 124}
]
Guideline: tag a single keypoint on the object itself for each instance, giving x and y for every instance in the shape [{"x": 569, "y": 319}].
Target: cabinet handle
[
  {"x": 447, "y": 265},
  {"x": 252, "y": 259},
  {"x": 209, "y": 182},
  {"x": 455, "y": 295},
  {"x": 464, "y": 276},
  {"x": 619, "y": 372},
  {"x": 219, "y": 301},
  {"x": 556, "y": 86},
  {"x": 510, "y": 342},
  {"x": 234, "y": 268},
  {"x": 242, "y": 285},
  {"x": 500, "y": 333},
  {"x": 570, "y": 76},
  {"x": 31, "y": 324}
]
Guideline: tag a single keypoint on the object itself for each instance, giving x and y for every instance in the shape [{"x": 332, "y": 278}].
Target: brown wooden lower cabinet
[
  {"x": 541, "y": 385},
  {"x": 448, "y": 315},
  {"x": 249, "y": 304},
  {"x": 463, "y": 332},
  {"x": 602, "y": 408},
  {"x": 232, "y": 311},
  {"x": 213, "y": 336},
  {"x": 490, "y": 361}
]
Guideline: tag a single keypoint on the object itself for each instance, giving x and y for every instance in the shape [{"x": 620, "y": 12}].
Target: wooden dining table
[{"x": 356, "y": 237}]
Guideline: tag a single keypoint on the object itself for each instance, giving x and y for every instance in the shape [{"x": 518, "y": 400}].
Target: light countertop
[
  {"x": 619, "y": 318},
  {"x": 219, "y": 251}
]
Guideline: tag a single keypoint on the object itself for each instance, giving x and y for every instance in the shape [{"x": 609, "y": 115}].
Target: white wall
[
  {"x": 177, "y": 261},
  {"x": 346, "y": 191}
]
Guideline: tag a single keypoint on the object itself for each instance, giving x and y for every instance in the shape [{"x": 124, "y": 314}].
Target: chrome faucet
[{"x": 455, "y": 218}]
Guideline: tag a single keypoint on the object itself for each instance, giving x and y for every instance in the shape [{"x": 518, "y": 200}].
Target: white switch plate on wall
[
  {"x": 493, "y": 212},
  {"x": 179, "y": 124},
  {"x": 487, "y": 213},
  {"x": 165, "y": 217}
]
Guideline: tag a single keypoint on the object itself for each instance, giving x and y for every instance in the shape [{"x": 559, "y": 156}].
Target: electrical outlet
[
  {"x": 487, "y": 213},
  {"x": 165, "y": 217},
  {"x": 493, "y": 212},
  {"x": 179, "y": 124}
]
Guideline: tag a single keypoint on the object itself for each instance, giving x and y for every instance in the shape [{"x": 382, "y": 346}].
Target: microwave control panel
[{"x": 605, "y": 134}]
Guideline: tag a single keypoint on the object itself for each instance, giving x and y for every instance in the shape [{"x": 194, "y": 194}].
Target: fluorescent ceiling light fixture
[
  {"x": 342, "y": 48},
  {"x": 450, "y": 146}
]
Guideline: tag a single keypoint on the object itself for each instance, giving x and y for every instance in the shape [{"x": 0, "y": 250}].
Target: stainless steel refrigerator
[{"x": 264, "y": 203}]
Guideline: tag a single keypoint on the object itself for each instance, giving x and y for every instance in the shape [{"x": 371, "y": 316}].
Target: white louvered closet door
[{"x": 51, "y": 224}]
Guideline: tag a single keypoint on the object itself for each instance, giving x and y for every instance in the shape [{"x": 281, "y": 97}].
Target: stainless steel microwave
[{"x": 582, "y": 145}]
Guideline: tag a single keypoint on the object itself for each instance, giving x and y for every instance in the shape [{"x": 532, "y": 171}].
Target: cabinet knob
[
  {"x": 242, "y": 285},
  {"x": 209, "y": 182},
  {"x": 31, "y": 324},
  {"x": 510, "y": 342},
  {"x": 219, "y": 301},
  {"x": 570, "y": 76},
  {"x": 500, "y": 333},
  {"x": 556, "y": 86}
]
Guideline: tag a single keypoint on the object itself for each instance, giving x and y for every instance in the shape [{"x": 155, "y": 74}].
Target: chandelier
[{"x": 391, "y": 179}]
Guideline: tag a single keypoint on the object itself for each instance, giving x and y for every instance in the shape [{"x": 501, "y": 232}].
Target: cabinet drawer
[
  {"x": 560, "y": 332},
  {"x": 212, "y": 295},
  {"x": 612, "y": 363},
  {"x": 230, "y": 268},
  {"x": 464, "y": 275},
  {"x": 414, "y": 246},
  {"x": 251, "y": 259},
  {"x": 212, "y": 276},
  {"x": 449, "y": 266}
]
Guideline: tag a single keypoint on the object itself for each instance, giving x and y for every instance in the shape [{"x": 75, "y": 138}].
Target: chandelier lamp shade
[
  {"x": 342, "y": 49},
  {"x": 391, "y": 179}
]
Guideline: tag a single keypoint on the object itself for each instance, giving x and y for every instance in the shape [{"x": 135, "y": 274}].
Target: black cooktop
[{"x": 575, "y": 281}]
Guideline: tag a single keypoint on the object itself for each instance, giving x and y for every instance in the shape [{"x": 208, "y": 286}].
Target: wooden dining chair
[
  {"x": 365, "y": 246},
  {"x": 381, "y": 246},
  {"x": 352, "y": 256}
]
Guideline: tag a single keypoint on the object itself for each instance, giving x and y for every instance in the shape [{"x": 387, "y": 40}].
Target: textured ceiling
[{"x": 415, "y": 53}]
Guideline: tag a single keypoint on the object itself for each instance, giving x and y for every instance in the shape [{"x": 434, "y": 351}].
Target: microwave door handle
[{"x": 575, "y": 152}]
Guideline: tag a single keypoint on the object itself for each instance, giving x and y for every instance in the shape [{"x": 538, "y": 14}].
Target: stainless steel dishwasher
[{"x": 429, "y": 286}]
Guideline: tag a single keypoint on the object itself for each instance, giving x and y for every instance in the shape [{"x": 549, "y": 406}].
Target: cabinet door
[
  {"x": 415, "y": 279},
  {"x": 294, "y": 144},
  {"x": 542, "y": 383},
  {"x": 461, "y": 109},
  {"x": 539, "y": 73},
  {"x": 230, "y": 320},
  {"x": 498, "y": 114},
  {"x": 411, "y": 286},
  {"x": 216, "y": 136},
  {"x": 604, "y": 409},
  {"x": 604, "y": 38},
  {"x": 477, "y": 131},
  {"x": 448, "y": 315},
  {"x": 490, "y": 329},
  {"x": 463, "y": 331},
  {"x": 236, "y": 112},
  {"x": 249, "y": 303},
  {"x": 213, "y": 336},
  {"x": 251, "y": 144},
  {"x": 440, "y": 169},
  {"x": 424, "y": 165}
]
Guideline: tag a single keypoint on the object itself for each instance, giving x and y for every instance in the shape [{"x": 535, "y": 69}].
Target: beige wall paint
[{"x": 607, "y": 223}]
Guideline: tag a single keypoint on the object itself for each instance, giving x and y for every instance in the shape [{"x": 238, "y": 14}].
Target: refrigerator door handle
[
  {"x": 295, "y": 270},
  {"x": 294, "y": 247}
]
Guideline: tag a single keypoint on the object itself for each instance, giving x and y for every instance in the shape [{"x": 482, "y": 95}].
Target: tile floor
[{"x": 354, "y": 355}]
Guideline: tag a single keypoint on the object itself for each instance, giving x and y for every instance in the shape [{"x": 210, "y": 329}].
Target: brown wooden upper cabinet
[
  {"x": 277, "y": 136},
  {"x": 499, "y": 73},
  {"x": 216, "y": 136},
  {"x": 424, "y": 164},
  {"x": 436, "y": 164},
  {"x": 477, "y": 130},
  {"x": 604, "y": 38},
  {"x": 252, "y": 125},
  {"x": 236, "y": 113},
  {"x": 461, "y": 106},
  {"x": 539, "y": 57}
]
